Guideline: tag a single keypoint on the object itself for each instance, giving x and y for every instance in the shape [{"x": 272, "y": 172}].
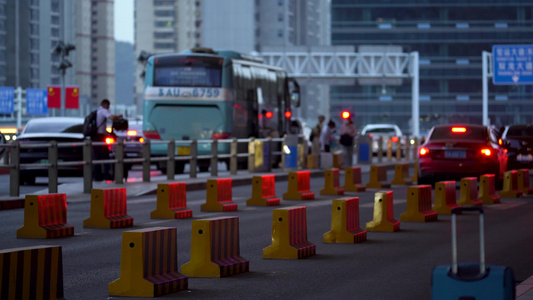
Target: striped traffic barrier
[
  {"x": 299, "y": 186},
  {"x": 401, "y": 174},
  {"x": 352, "y": 180},
  {"x": 149, "y": 264},
  {"x": 219, "y": 196},
  {"x": 510, "y": 185},
  {"x": 523, "y": 182},
  {"x": 487, "y": 189},
  {"x": 331, "y": 183},
  {"x": 345, "y": 222},
  {"x": 215, "y": 249},
  {"x": 383, "y": 214},
  {"x": 468, "y": 192},
  {"x": 31, "y": 273},
  {"x": 45, "y": 216},
  {"x": 378, "y": 177},
  {"x": 289, "y": 234},
  {"x": 171, "y": 202},
  {"x": 419, "y": 205},
  {"x": 108, "y": 209},
  {"x": 445, "y": 197},
  {"x": 263, "y": 191}
]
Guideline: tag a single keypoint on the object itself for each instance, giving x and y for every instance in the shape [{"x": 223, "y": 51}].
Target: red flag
[
  {"x": 72, "y": 99},
  {"x": 54, "y": 96}
]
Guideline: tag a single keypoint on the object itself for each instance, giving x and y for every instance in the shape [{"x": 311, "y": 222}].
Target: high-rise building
[{"x": 450, "y": 37}]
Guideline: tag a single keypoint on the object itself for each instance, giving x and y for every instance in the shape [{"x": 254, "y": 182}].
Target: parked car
[
  {"x": 385, "y": 131},
  {"x": 134, "y": 133},
  {"x": 452, "y": 152},
  {"x": 518, "y": 141}
]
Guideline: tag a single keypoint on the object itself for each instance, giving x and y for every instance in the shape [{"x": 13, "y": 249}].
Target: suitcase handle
[{"x": 482, "y": 269}]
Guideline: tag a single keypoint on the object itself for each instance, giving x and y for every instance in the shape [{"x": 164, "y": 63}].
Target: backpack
[
  {"x": 89, "y": 125},
  {"x": 120, "y": 124}
]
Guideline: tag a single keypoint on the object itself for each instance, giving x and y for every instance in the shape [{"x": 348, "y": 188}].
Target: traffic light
[{"x": 345, "y": 114}]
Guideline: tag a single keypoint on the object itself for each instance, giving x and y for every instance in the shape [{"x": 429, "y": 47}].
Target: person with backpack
[
  {"x": 99, "y": 135},
  {"x": 347, "y": 133}
]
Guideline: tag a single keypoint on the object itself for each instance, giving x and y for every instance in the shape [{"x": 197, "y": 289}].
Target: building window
[
  {"x": 280, "y": 32},
  {"x": 55, "y": 20},
  {"x": 163, "y": 2},
  {"x": 163, "y": 35},
  {"x": 164, "y": 45},
  {"x": 280, "y": 17},
  {"x": 34, "y": 29},
  {"x": 164, "y": 13},
  {"x": 280, "y": 2},
  {"x": 55, "y": 32},
  {"x": 55, "y": 5},
  {"x": 163, "y": 24}
]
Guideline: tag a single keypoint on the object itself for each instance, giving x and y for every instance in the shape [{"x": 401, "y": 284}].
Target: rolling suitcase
[{"x": 471, "y": 281}]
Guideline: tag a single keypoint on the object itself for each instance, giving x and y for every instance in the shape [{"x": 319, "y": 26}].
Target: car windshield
[
  {"x": 381, "y": 130},
  {"x": 459, "y": 133},
  {"x": 53, "y": 127},
  {"x": 520, "y": 131}
]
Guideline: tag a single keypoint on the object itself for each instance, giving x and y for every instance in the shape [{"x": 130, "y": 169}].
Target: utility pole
[{"x": 63, "y": 50}]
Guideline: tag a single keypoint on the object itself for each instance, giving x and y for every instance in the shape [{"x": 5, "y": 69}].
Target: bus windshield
[{"x": 188, "y": 71}]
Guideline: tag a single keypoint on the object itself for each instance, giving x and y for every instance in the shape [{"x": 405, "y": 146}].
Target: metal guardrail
[{"x": 12, "y": 161}]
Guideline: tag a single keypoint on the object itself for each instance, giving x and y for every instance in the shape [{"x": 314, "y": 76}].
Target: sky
[{"x": 124, "y": 20}]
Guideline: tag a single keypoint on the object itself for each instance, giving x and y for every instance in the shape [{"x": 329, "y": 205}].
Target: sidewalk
[{"x": 524, "y": 291}]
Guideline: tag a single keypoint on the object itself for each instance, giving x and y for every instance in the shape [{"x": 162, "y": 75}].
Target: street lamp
[{"x": 63, "y": 50}]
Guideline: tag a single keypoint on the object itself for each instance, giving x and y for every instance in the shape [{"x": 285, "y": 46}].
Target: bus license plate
[
  {"x": 455, "y": 154},
  {"x": 184, "y": 150}
]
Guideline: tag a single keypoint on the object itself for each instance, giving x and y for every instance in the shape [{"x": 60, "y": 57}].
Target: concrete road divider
[
  {"x": 263, "y": 191},
  {"x": 468, "y": 192},
  {"x": 419, "y": 205},
  {"x": 401, "y": 174},
  {"x": 345, "y": 222},
  {"x": 487, "y": 189},
  {"x": 510, "y": 185},
  {"x": 215, "y": 249},
  {"x": 523, "y": 181},
  {"x": 352, "y": 180},
  {"x": 219, "y": 196},
  {"x": 445, "y": 197},
  {"x": 331, "y": 183},
  {"x": 109, "y": 209},
  {"x": 149, "y": 264},
  {"x": 31, "y": 273},
  {"x": 171, "y": 202},
  {"x": 289, "y": 235},
  {"x": 45, "y": 216},
  {"x": 378, "y": 177},
  {"x": 383, "y": 214},
  {"x": 299, "y": 186}
]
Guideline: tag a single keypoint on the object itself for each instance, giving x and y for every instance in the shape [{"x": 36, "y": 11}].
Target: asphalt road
[{"x": 387, "y": 266}]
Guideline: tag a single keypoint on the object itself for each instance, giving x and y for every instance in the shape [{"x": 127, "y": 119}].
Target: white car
[{"x": 386, "y": 131}]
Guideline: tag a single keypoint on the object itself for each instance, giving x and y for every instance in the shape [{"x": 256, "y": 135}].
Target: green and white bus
[{"x": 205, "y": 94}]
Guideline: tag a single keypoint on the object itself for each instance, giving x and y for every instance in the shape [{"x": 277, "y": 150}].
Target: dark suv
[{"x": 518, "y": 141}]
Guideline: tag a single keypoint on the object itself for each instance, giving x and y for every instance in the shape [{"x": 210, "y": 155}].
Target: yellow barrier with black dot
[
  {"x": 149, "y": 264},
  {"x": 171, "y": 202},
  {"x": 383, "y": 213},
  {"x": 215, "y": 249},
  {"x": 419, "y": 205},
  {"x": 487, "y": 189},
  {"x": 109, "y": 209},
  {"x": 445, "y": 197},
  {"x": 401, "y": 174},
  {"x": 299, "y": 186},
  {"x": 523, "y": 182},
  {"x": 263, "y": 191},
  {"x": 31, "y": 273},
  {"x": 378, "y": 177},
  {"x": 331, "y": 183},
  {"x": 219, "y": 196},
  {"x": 45, "y": 217},
  {"x": 345, "y": 222},
  {"x": 468, "y": 192},
  {"x": 289, "y": 235},
  {"x": 510, "y": 185},
  {"x": 352, "y": 180}
]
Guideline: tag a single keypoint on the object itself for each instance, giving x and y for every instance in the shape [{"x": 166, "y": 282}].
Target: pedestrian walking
[
  {"x": 102, "y": 172},
  {"x": 327, "y": 136},
  {"x": 314, "y": 137},
  {"x": 347, "y": 133}
]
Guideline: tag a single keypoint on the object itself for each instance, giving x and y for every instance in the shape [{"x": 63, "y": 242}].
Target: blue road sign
[
  {"x": 7, "y": 98},
  {"x": 36, "y": 102},
  {"x": 512, "y": 64}
]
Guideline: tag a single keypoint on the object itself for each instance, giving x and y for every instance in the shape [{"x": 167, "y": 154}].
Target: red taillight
[
  {"x": 132, "y": 132},
  {"x": 458, "y": 129},
  {"x": 152, "y": 135},
  {"x": 485, "y": 151},
  {"x": 288, "y": 114},
  {"x": 220, "y": 135},
  {"x": 423, "y": 151},
  {"x": 109, "y": 140},
  {"x": 394, "y": 139},
  {"x": 269, "y": 114}
]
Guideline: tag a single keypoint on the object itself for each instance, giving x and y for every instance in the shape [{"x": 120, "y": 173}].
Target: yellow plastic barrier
[
  {"x": 468, "y": 192},
  {"x": 415, "y": 175},
  {"x": 338, "y": 159},
  {"x": 419, "y": 205},
  {"x": 45, "y": 217},
  {"x": 510, "y": 185},
  {"x": 378, "y": 177},
  {"x": 352, "y": 180},
  {"x": 331, "y": 183},
  {"x": 149, "y": 264},
  {"x": 108, "y": 209},
  {"x": 445, "y": 197},
  {"x": 383, "y": 213},
  {"x": 312, "y": 161},
  {"x": 523, "y": 181},
  {"x": 263, "y": 191},
  {"x": 215, "y": 249},
  {"x": 299, "y": 186},
  {"x": 487, "y": 189},
  {"x": 289, "y": 234},
  {"x": 345, "y": 222},
  {"x": 171, "y": 202},
  {"x": 401, "y": 174},
  {"x": 219, "y": 196}
]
